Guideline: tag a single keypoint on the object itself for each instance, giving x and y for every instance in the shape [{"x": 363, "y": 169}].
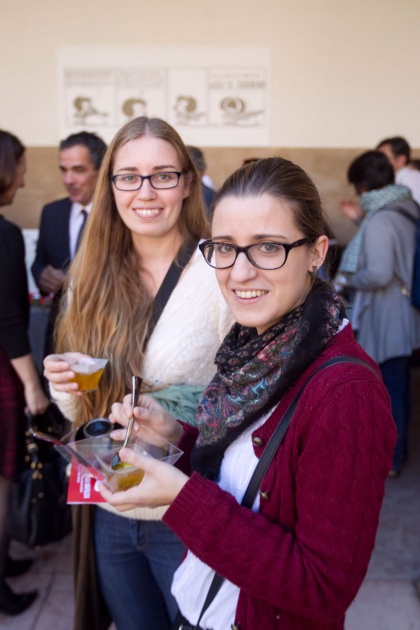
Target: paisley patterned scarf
[{"x": 254, "y": 371}]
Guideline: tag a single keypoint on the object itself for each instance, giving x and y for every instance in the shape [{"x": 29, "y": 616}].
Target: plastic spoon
[{"x": 136, "y": 382}]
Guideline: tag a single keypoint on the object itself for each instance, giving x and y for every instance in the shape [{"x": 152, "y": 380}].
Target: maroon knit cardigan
[{"x": 300, "y": 561}]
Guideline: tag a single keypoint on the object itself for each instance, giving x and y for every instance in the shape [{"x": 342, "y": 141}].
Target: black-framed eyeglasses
[
  {"x": 266, "y": 255},
  {"x": 159, "y": 181}
]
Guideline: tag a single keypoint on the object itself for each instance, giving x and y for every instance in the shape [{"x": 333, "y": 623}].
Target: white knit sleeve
[{"x": 65, "y": 402}]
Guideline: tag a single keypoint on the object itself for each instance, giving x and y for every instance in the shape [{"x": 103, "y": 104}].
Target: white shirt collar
[{"x": 77, "y": 207}]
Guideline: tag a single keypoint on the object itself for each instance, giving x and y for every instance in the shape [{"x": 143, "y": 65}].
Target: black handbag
[
  {"x": 51, "y": 422},
  {"x": 253, "y": 487},
  {"x": 39, "y": 513}
]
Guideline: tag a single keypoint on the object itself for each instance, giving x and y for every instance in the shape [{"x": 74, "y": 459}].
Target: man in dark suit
[{"x": 63, "y": 221}]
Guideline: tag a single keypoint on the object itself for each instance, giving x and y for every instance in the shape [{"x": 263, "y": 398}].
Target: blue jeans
[
  {"x": 136, "y": 561},
  {"x": 396, "y": 376}
]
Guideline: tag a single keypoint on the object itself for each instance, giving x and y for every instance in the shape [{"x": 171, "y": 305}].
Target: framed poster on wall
[{"x": 212, "y": 96}]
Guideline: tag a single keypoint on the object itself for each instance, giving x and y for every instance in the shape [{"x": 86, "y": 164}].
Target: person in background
[
  {"x": 398, "y": 152},
  {"x": 147, "y": 214},
  {"x": 198, "y": 158},
  {"x": 298, "y": 557},
  {"x": 63, "y": 221},
  {"x": 415, "y": 164},
  {"x": 378, "y": 265},
  {"x": 20, "y": 384}
]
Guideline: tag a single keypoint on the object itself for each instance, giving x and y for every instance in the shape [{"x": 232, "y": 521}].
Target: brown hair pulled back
[
  {"x": 280, "y": 178},
  {"x": 285, "y": 180}
]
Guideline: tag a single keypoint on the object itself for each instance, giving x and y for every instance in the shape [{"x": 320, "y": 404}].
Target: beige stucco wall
[{"x": 344, "y": 75}]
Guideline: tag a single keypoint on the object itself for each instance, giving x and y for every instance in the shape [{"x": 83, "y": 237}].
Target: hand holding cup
[{"x": 73, "y": 372}]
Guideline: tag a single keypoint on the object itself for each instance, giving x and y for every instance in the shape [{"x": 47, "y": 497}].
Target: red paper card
[{"x": 82, "y": 487}]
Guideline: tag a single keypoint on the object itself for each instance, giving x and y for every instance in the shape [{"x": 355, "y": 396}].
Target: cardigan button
[
  {"x": 264, "y": 495},
  {"x": 235, "y": 627},
  {"x": 257, "y": 441}
]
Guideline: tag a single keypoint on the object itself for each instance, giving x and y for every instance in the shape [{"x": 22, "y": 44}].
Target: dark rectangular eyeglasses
[
  {"x": 264, "y": 255},
  {"x": 133, "y": 181}
]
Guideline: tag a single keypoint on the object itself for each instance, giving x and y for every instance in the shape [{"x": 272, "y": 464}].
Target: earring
[{"x": 314, "y": 271}]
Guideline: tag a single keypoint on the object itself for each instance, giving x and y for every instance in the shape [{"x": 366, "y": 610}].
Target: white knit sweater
[{"x": 182, "y": 347}]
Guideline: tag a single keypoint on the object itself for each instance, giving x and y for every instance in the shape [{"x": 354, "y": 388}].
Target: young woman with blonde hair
[{"x": 147, "y": 213}]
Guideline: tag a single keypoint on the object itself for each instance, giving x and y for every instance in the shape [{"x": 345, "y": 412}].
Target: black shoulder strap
[
  {"x": 404, "y": 212},
  {"x": 267, "y": 457},
  {"x": 169, "y": 283},
  {"x": 275, "y": 440}
]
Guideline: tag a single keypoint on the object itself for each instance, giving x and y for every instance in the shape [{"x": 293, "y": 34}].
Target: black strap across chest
[{"x": 168, "y": 285}]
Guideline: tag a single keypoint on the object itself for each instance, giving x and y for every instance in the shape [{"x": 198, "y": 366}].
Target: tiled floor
[
  {"x": 388, "y": 600},
  {"x": 51, "y": 574}
]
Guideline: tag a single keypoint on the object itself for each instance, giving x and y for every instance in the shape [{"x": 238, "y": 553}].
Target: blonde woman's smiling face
[
  {"x": 148, "y": 212},
  {"x": 258, "y": 297}
]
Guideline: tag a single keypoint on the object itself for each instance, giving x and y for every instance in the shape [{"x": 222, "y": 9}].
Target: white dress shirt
[
  {"x": 193, "y": 578},
  {"x": 409, "y": 177}
]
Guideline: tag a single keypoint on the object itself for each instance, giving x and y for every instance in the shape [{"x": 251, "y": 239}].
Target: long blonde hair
[{"x": 106, "y": 309}]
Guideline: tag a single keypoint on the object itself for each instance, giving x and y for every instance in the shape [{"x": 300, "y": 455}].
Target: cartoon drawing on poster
[
  {"x": 85, "y": 111},
  {"x": 235, "y": 111},
  {"x": 140, "y": 92},
  {"x": 134, "y": 107},
  {"x": 186, "y": 110},
  {"x": 88, "y": 97},
  {"x": 188, "y": 89},
  {"x": 237, "y": 97}
]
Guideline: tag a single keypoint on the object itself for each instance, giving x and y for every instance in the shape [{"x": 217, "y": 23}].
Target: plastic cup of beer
[
  {"x": 88, "y": 370},
  {"x": 146, "y": 442}
]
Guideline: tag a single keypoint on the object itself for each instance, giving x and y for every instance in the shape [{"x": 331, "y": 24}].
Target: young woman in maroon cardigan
[{"x": 297, "y": 558}]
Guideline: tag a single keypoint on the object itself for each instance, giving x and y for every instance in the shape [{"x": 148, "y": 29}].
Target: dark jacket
[
  {"x": 53, "y": 246},
  {"x": 14, "y": 301}
]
